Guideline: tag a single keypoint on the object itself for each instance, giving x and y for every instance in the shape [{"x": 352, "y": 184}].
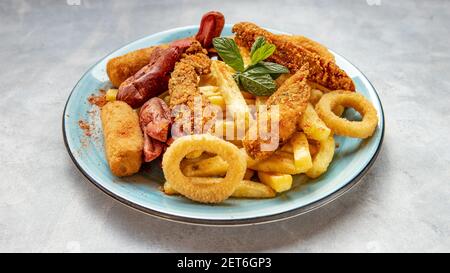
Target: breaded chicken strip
[
  {"x": 311, "y": 46},
  {"x": 292, "y": 98},
  {"x": 183, "y": 84},
  {"x": 292, "y": 55}
]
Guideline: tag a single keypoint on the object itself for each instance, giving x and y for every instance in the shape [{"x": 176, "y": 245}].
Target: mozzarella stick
[{"x": 123, "y": 138}]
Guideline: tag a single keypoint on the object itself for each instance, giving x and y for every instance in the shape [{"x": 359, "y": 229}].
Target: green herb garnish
[
  {"x": 258, "y": 77},
  {"x": 229, "y": 52},
  {"x": 257, "y": 84}
]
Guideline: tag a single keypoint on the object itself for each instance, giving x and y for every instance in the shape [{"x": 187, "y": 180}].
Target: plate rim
[{"x": 226, "y": 222}]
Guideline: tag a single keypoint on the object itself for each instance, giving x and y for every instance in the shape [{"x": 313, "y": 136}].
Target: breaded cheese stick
[
  {"x": 123, "y": 138},
  {"x": 121, "y": 68}
]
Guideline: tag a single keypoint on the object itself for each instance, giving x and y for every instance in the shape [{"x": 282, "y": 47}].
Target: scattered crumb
[
  {"x": 95, "y": 132},
  {"x": 85, "y": 127},
  {"x": 98, "y": 100},
  {"x": 92, "y": 134}
]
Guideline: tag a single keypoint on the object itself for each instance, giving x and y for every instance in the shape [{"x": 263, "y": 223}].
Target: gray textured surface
[{"x": 402, "y": 204}]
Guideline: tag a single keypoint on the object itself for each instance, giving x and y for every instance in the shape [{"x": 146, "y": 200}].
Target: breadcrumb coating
[
  {"x": 292, "y": 98},
  {"x": 292, "y": 55}
]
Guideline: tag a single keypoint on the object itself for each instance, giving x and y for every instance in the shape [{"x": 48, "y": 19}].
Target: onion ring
[
  {"x": 204, "y": 189},
  {"x": 340, "y": 126}
]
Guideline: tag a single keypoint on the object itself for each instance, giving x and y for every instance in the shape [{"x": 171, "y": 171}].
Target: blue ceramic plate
[{"x": 142, "y": 192}]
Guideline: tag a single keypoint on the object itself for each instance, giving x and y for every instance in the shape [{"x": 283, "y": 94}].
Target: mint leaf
[
  {"x": 262, "y": 53},
  {"x": 273, "y": 69},
  {"x": 268, "y": 68},
  {"x": 257, "y": 44},
  {"x": 229, "y": 52},
  {"x": 257, "y": 84}
]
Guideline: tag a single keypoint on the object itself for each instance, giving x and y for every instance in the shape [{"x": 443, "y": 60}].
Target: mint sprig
[{"x": 258, "y": 77}]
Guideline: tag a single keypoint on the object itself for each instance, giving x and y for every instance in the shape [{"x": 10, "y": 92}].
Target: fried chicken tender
[
  {"x": 292, "y": 98},
  {"x": 292, "y": 55},
  {"x": 183, "y": 84},
  {"x": 311, "y": 45}
]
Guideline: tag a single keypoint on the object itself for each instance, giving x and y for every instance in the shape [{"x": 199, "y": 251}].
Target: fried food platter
[{"x": 147, "y": 191}]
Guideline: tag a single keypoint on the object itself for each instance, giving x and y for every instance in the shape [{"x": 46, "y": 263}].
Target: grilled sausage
[{"x": 151, "y": 80}]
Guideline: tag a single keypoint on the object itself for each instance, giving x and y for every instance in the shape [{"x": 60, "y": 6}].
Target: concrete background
[{"x": 402, "y": 204}]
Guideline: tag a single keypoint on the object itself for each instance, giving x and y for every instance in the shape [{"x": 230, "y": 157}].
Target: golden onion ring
[
  {"x": 340, "y": 126},
  {"x": 204, "y": 189}
]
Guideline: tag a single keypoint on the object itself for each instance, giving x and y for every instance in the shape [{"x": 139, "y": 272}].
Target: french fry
[
  {"x": 323, "y": 158},
  {"x": 250, "y": 161},
  {"x": 193, "y": 157},
  {"x": 282, "y": 161},
  {"x": 279, "y": 162},
  {"x": 202, "y": 165},
  {"x": 302, "y": 156},
  {"x": 234, "y": 100},
  {"x": 245, "y": 189},
  {"x": 298, "y": 146},
  {"x": 312, "y": 125},
  {"x": 318, "y": 87},
  {"x": 213, "y": 166},
  {"x": 209, "y": 90},
  {"x": 217, "y": 100},
  {"x": 313, "y": 147},
  {"x": 194, "y": 154},
  {"x": 278, "y": 182},
  {"x": 207, "y": 80},
  {"x": 250, "y": 189},
  {"x": 228, "y": 128},
  {"x": 111, "y": 94},
  {"x": 287, "y": 148}
]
